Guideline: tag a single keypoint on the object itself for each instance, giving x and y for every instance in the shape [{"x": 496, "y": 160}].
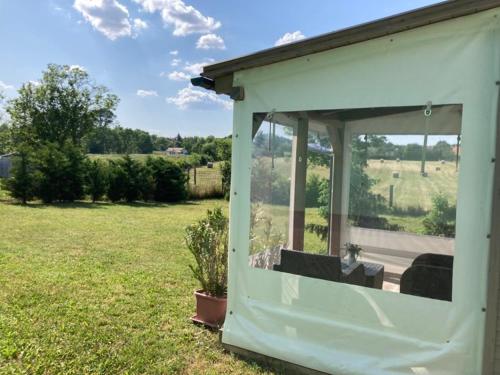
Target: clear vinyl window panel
[{"x": 359, "y": 196}]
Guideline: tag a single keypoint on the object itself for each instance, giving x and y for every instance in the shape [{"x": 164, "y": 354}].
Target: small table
[{"x": 374, "y": 274}]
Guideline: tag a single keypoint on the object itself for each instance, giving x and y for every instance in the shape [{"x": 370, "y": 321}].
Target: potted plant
[
  {"x": 207, "y": 240},
  {"x": 353, "y": 252}
]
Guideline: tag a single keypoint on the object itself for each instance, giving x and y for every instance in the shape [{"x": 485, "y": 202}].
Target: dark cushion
[
  {"x": 428, "y": 281},
  {"x": 436, "y": 260}
]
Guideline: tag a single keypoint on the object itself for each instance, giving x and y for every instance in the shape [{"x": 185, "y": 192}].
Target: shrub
[
  {"x": 96, "y": 179},
  {"x": 225, "y": 168},
  {"x": 169, "y": 180},
  {"x": 22, "y": 183},
  {"x": 207, "y": 240},
  {"x": 128, "y": 180},
  {"x": 314, "y": 187},
  {"x": 60, "y": 173},
  {"x": 441, "y": 220},
  {"x": 117, "y": 182}
]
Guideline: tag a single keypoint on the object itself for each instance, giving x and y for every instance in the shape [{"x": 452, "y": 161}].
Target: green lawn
[{"x": 102, "y": 289}]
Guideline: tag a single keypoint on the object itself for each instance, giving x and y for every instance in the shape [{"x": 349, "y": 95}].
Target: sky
[{"x": 145, "y": 51}]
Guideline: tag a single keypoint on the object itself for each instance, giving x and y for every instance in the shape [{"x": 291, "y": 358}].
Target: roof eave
[{"x": 383, "y": 27}]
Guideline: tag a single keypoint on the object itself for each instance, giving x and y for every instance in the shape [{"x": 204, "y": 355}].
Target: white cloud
[
  {"x": 210, "y": 41},
  {"x": 193, "y": 98},
  {"x": 185, "y": 19},
  {"x": 71, "y": 67},
  {"x": 289, "y": 38},
  {"x": 178, "y": 76},
  {"x": 107, "y": 16},
  {"x": 196, "y": 68},
  {"x": 174, "y": 53},
  {"x": 140, "y": 24},
  {"x": 175, "y": 62},
  {"x": 146, "y": 93},
  {"x": 5, "y": 87}
]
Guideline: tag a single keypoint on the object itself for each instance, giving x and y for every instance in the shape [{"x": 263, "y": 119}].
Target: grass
[
  {"x": 410, "y": 189},
  {"x": 103, "y": 289}
]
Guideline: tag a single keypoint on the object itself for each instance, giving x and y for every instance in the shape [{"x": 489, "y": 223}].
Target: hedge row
[{"x": 65, "y": 174}]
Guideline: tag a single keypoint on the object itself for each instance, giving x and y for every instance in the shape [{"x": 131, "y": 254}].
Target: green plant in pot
[
  {"x": 353, "y": 252},
  {"x": 207, "y": 240}
]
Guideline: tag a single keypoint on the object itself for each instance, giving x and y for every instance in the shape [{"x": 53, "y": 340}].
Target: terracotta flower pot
[{"x": 210, "y": 311}]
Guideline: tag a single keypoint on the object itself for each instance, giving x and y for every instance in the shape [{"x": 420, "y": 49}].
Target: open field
[
  {"x": 410, "y": 189},
  {"x": 102, "y": 288}
]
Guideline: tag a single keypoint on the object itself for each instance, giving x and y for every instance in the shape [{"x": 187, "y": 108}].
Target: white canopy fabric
[{"x": 346, "y": 329}]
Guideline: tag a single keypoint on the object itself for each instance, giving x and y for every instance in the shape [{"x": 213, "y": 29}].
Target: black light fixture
[{"x": 204, "y": 82}]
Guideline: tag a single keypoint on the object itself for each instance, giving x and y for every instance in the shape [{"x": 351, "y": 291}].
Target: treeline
[
  {"x": 56, "y": 174},
  {"x": 119, "y": 140},
  {"x": 55, "y": 123},
  {"x": 378, "y": 147}
]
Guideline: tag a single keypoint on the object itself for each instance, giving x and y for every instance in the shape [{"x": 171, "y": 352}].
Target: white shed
[{"x": 422, "y": 298}]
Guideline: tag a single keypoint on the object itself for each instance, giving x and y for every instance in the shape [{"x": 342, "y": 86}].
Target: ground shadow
[{"x": 95, "y": 205}]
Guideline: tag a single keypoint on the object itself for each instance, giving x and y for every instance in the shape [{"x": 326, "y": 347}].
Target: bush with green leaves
[
  {"x": 127, "y": 180},
  {"x": 315, "y": 187},
  {"x": 225, "y": 168},
  {"x": 96, "y": 179},
  {"x": 441, "y": 220},
  {"x": 22, "y": 183},
  {"x": 169, "y": 180},
  {"x": 60, "y": 173},
  {"x": 207, "y": 240}
]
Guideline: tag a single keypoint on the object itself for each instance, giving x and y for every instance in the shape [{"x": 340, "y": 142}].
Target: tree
[
  {"x": 60, "y": 173},
  {"x": 96, "y": 179},
  {"x": 64, "y": 105},
  {"x": 169, "y": 178},
  {"x": 225, "y": 168},
  {"x": 5, "y": 139},
  {"x": 22, "y": 183}
]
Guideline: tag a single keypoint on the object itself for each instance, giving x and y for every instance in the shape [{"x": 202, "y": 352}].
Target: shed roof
[{"x": 223, "y": 71}]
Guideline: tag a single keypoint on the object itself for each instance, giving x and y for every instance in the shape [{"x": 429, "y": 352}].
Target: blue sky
[{"x": 144, "y": 50}]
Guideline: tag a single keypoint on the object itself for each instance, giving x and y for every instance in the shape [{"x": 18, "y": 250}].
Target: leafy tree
[
  {"x": 5, "y": 139},
  {"x": 225, "y": 168},
  {"x": 210, "y": 149},
  {"x": 441, "y": 220},
  {"x": 118, "y": 180},
  {"x": 442, "y": 151},
  {"x": 63, "y": 106},
  {"x": 23, "y": 182},
  {"x": 314, "y": 187},
  {"x": 169, "y": 179},
  {"x": 96, "y": 179},
  {"x": 60, "y": 172},
  {"x": 133, "y": 172}
]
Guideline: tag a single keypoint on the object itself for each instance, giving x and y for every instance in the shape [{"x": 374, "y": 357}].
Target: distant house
[
  {"x": 176, "y": 151},
  {"x": 5, "y": 165}
]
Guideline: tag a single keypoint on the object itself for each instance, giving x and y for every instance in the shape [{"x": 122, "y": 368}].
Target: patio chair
[
  {"x": 322, "y": 267},
  {"x": 436, "y": 260},
  {"x": 427, "y": 281}
]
